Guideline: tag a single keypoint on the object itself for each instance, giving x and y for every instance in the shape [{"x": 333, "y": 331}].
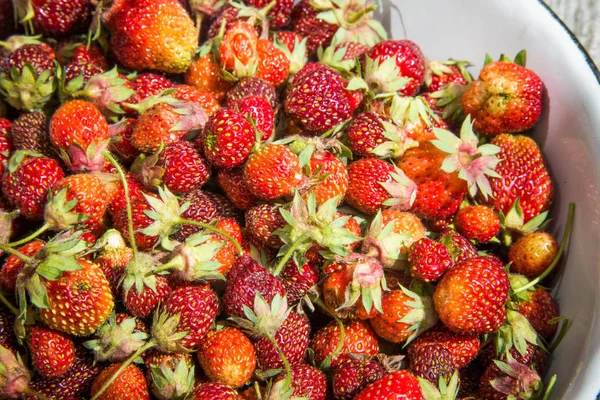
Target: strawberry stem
[
  {"x": 35, "y": 394},
  {"x": 124, "y": 365},
  {"x": 214, "y": 229},
  {"x": 288, "y": 254},
  {"x": 29, "y": 238},
  {"x": 114, "y": 162},
  {"x": 561, "y": 249},
  {"x": 286, "y": 363},
  {"x": 549, "y": 388},
  {"x": 8, "y": 304},
  {"x": 340, "y": 346}
]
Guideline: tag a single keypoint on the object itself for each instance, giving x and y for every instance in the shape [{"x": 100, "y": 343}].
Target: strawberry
[
  {"x": 227, "y": 139},
  {"x": 273, "y": 172},
  {"x": 227, "y": 357},
  {"x": 463, "y": 348},
  {"x": 253, "y": 86},
  {"x": 227, "y": 254},
  {"x": 190, "y": 310},
  {"x": 372, "y": 182},
  {"x": 140, "y": 221},
  {"x": 306, "y": 23},
  {"x": 148, "y": 84},
  {"x": 6, "y": 145},
  {"x": 184, "y": 169},
  {"x": 143, "y": 303},
  {"x": 352, "y": 375},
  {"x": 307, "y": 382},
  {"x": 77, "y": 75},
  {"x": 432, "y": 361},
  {"x": 279, "y": 14},
  {"x": 318, "y": 100},
  {"x": 408, "y": 66},
  {"x": 89, "y": 54},
  {"x": 170, "y": 375},
  {"x": 414, "y": 122},
  {"x": 398, "y": 385},
  {"x": 30, "y": 132},
  {"x": 330, "y": 174},
  {"x": 205, "y": 74},
  {"x": 273, "y": 64},
  {"x": 297, "y": 281},
  {"x": 28, "y": 182},
  {"x": 287, "y": 38},
  {"x": 13, "y": 265},
  {"x": 463, "y": 311},
  {"x": 460, "y": 248},
  {"x": 238, "y": 53},
  {"x": 59, "y": 18},
  {"x": 150, "y": 34},
  {"x": 523, "y": 176},
  {"x": 88, "y": 289},
  {"x": 80, "y": 133},
  {"x": 506, "y": 98},
  {"x": 259, "y": 110},
  {"x": 232, "y": 183},
  {"x": 405, "y": 315},
  {"x": 261, "y": 221},
  {"x": 539, "y": 310},
  {"x": 438, "y": 74},
  {"x": 120, "y": 145},
  {"x": 365, "y": 132},
  {"x": 510, "y": 379},
  {"x": 429, "y": 259},
  {"x": 359, "y": 339},
  {"x": 227, "y": 14},
  {"x": 52, "y": 352},
  {"x": 206, "y": 101},
  {"x": 130, "y": 384},
  {"x": 478, "y": 223},
  {"x": 532, "y": 254},
  {"x": 214, "y": 391}
]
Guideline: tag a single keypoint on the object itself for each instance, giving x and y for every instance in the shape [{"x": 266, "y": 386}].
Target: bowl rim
[{"x": 588, "y": 58}]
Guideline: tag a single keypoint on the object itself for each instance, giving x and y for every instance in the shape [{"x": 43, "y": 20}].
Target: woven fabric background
[{"x": 583, "y": 18}]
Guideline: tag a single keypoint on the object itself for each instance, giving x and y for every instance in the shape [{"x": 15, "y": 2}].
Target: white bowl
[{"x": 569, "y": 133}]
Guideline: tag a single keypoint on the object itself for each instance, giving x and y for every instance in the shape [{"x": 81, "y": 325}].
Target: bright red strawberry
[
  {"x": 288, "y": 38},
  {"x": 261, "y": 221},
  {"x": 90, "y": 54},
  {"x": 129, "y": 385},
  {"x": 205, "y": 74},
  {"x": 352, "y": 375},
  {"x": 308, "y": 382},
  {"x": 317, "y": 99},
  {"x": 507, "y": 98},
  {"x": 142, "y": 304},
  {"x": 30, "y": 132},
  {"x": 80, "y": 70},
  {"x": 151, "y": 34},
  {"x": 80, "y": 133},
  {"x": 470, "y": 298},
  {"x": 532, "y": 254},
  {"x": 214, "y": 391},
  {"x": 227, "y": 139},
  {"x": 432, "y": 361},
  {"x": 330, "y": 175},
  {"x": 306, "y": 23},
  {"x": 261, "y": 113},
  {"x": 206, "y": 101},
  {"x": 460, "y": 248},
  {"x": 273, "y": 64},
  {"x": 273, "y": 172},
  {"x": 399, "y": 385},
  {"x": 359, "y": 339},
  {"x": 429, "y": 259},
  {"x": 184, "y": 169},
  {"x": 28, "y": 181},
  {"x": 365, "y": 133},
  {"x": 539, "y": 310},
  {"x": 196, "y": 308},
  {"x": 438, "y": 74},
  {"x": 477, "y": 222},
  {"x": 253, "y": 86},
  {"x": 524, "y": 176},
  {"x": 227, "y": 357},
  {"x": 52, "y": 352},
  {"x": 298, "y": 281},
  {"x": 89, "y": 290},
  {"x": 13, "y": 265},
  {"x": 140, "y": 221},
  {"x": 409, "y": 64},
  {"x": 148, "y": 84},
  {"x": 233, "y": 184},
  {"x": 117, "y": 195},
  {"x": 58, "y": 18},
  {"x": 279, "y": 14},
  {"x": 227, "y": 254},
  {"x": 239, "y": 44},
  {"x": 463, "y": 348}
]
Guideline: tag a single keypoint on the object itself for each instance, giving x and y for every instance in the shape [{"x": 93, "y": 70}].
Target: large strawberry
[
  {"x": 359, "y": 338},
  {"x": 353, "y": 374},
  {"x": 53, "y": 352},
  {"x": 227, "y": 139},
  {"x": 58, "y": 18},
  {"x": 129, "y": 384},
  {"x": 150, "y": 34}
]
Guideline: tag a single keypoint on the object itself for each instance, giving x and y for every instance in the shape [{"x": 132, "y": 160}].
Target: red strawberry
[
  {"x": 184, "y": 169},
  {"x": 6, "y": 146},
  {"x": 13, "y": 265},
  {"x": 254, "y": 86},
  {"x": 399, "y": 385},
  {"x": 298, "y": 281},
  {"x": 308, "y": 382},
  {"x": 409, "y": 64},
  {"x": 470, "y": 298},
  {"x": 460, "y": 248},
  {"x": 169, "y": 375},
  {"x": 306, "y": 23},
  {"x": 330, "y": 174},
  {"x": 117, "y": 195},
  {"x": 365, "y": 132},
  {"x": 80, "y": 133},
  {"x": 227, "y": 139},
  {"x": 261, "y": 113},
  {"x": 478, "y": 223},
  {"x": 273, "y": 64},
  {"x": 239, "y": 44},
  {"x": 539, "y": 310},
  {"x": 261, "y": 221},
  {"x": 233, "y": 184},
  {"x": 463, "y": 348},
  {"x": 214, "y": 391},
  {"x": 318, "y": 100},
  {"x": 140, "y": 221},
  {"x": 507, "y": 98},
  {"x": 129, "y": 385},
  {"x": 205, "y": 100},
  {"x": 142, "y": 304},
  {"x": 28, "y": 181},
  {"x": 359, "y": 339},
  {"x": 504, "y": 380},
  {"x": 30, "y": 132},
  {"x": 52, "y": 352},
  {"x": 148, "y": 84},
  {"x": 432, "y": 361},
  {"x": 429, "y": 259},
  {"x": 352, "y": 375},
  {"x": 438, "y": 74},
  {"x": 205, "y": 74},
  {"x": 92, "y": 54},
  {"x": 121, "y": 145},
  {"x": 524, "y": 176},
  {"x": 58, "y": 18},
  {"x": 532, "y": 254},
  {"x": 279, "y": 14},
  {"x": 273, "y": 172}
]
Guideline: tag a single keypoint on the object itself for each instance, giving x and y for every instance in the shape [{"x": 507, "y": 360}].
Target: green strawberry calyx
[
  {"x": 174, "y": 380},
  {"x": 116, "y": 342},
  {"x": 446, "y": 390},
  {"x": 194, "y": 259},
  {"x": 382, "y": 243}
]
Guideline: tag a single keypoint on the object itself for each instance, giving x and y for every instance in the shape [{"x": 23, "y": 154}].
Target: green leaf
[{"x": 521, "y": 58}]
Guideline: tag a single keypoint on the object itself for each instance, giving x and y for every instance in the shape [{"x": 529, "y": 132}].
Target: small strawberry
[
  {"x": 478, "y": 223},
  {"x": 510, "y": 379},
  {"x": 438, "y": 74},
  {"x": 279, "y": 14},
  {"x": 532, "y": 254},
  {"x": 352, "y": 375},
  {"x": 429, "y": 259},
  {"x": 506, "y": 98},
  {"x": 227, "y": 357},
  {"x": 253, "y": 86},
  {"x": 457, "y": 305},
  {"x": 148, "y": 84},
  {"x": 365, "y": 132},
  {"x": 463, "y": 348},
  {"x": 297, "y": 281},
  {"x": 59, "y": 18},
  {"x": 273, "y": 64},
  {"x": 432, "y": 361},
  {"x": 261, "y": 221},
  {"x": 330, "y": 174},
  {"x": 540, "y": 309},
  {"x": 118, "y": 339},
  {"x": 307, "y": 382},
  {"x": 205, "y": 100},
  {"x": 121, "y": 145},
  {"x": 6, "y": 145},
  {"x": 214, "y": 391},
  {"x": 359, "y": 339},
  {"x": 89, "y": 54},
  {"x": 227, "y": 139},
  {"x": 170, "y": 375},
  {"x": 238, "y": 53},
  {"x": 259, "y": 110},
  {"x": 13, "y": 265},
  {"x": 52, "y": 352},
  {"x": 130, "y": 384},
  {"x": 460, "y": 248},
  {"x": 233, "y": 184},
  {"x": 140, "y": 220},
  {"x": 205, "y": 74},
  {"x": 142, "y": 303},
  {"x": 399, "y": 385},
  {"x": 273, "y": 172},
  {"x": 306, "y": 23},
  {"x": 30, "y": 132}
]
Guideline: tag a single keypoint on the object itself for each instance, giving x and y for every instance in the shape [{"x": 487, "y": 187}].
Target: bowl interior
[{"x": 569, "y": 133}]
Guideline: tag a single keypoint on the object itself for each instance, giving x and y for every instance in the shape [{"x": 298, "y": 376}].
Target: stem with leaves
[
  {"x": 288, "y": 254},
  {"x": 29, "y": 238}
]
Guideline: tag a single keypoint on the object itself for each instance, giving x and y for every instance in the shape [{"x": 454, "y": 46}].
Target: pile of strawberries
[{"x": 262, "y": 200}]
